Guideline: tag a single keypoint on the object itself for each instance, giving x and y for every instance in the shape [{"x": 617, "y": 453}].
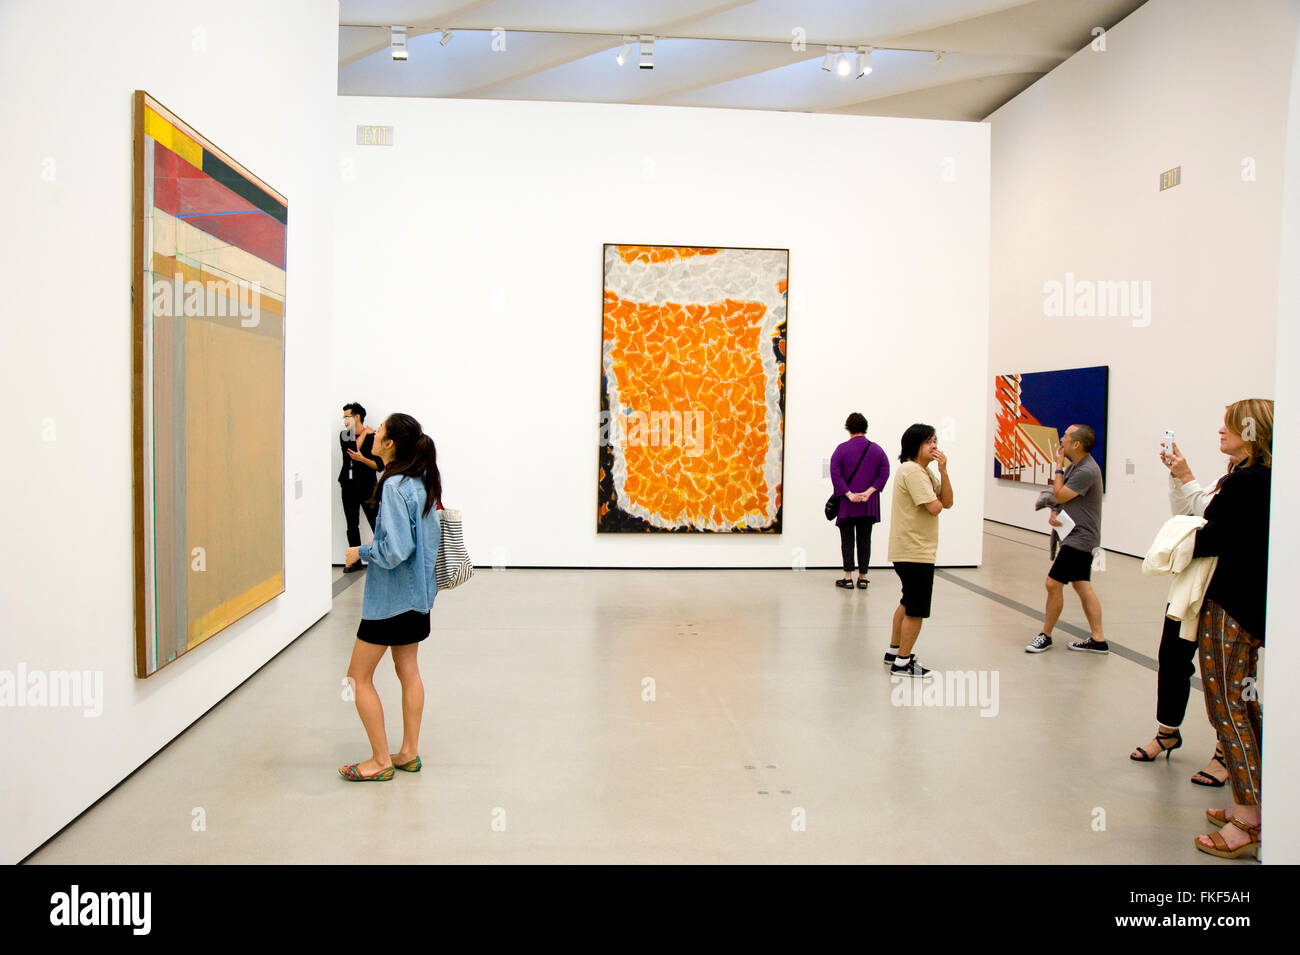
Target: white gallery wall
[
  {"x": 1076, "y": 164},
  {"x": 468, "y": 293},
  {"x": 259, "y": 81},
  {"x": 1282, "y": 749}
]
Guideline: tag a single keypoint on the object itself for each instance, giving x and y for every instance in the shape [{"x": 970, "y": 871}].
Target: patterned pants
[{"x": 1228, "y": 658}]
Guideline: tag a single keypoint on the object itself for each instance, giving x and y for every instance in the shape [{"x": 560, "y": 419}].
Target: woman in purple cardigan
[{"x": 859, "y": 485}]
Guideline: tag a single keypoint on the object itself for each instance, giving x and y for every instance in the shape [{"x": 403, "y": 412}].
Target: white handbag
[{"x": 452, "y": 566}]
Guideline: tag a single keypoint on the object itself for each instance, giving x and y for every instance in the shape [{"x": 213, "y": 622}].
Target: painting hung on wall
[
  {"x": 692, "y": 389},
  {"x": 207, "y": 295},
  {"x": 1034, "y": 409}
]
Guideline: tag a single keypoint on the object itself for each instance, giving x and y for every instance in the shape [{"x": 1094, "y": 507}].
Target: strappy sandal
[
  {"x": 1202, "y": 778},
  {"x": 353, "y": 775},
  {"x": 1140, "y": 755},
  {"x": 1219, "y": 845},
  {"x": 846, "y": 584},
  {"x": 862, "y": 583},
  {"x": 413, "y": 766}
]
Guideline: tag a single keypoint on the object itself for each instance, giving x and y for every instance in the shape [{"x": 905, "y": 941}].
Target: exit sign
[
  {"x": 374, "y": 135},
  {"x": 1170, "y": 178}
]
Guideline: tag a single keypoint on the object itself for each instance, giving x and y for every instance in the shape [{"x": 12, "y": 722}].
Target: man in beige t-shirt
[{"x": 919, "y": 496}]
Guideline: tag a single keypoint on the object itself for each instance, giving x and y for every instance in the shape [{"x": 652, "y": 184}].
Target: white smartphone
[{"x": 1167, "y": 446}]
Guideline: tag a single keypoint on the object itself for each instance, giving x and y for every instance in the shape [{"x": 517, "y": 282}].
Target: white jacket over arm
[{"x": 1171, "y": 553}]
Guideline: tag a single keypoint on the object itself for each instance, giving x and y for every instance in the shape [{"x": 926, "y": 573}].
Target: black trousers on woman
[
  {"x": 354, "y": 501},
  {"x": 861, "y": 528},
  {"x": 1174, "y": 678}
]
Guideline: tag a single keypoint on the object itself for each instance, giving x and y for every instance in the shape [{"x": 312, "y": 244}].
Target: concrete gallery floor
[{"x": 773, "y": 736}]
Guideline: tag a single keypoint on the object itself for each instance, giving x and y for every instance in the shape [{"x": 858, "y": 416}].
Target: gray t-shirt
[{"x": 1084, "y": 479}]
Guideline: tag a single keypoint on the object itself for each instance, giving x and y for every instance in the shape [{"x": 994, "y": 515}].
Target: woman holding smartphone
[
  {"x": 1173, "y": 678},
  {"x": 400, "y": 588}
]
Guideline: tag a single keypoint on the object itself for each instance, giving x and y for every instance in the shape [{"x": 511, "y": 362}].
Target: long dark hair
[{"x": 414, "y": 454}]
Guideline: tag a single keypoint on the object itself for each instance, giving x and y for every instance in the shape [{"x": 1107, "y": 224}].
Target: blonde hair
[{"x": 1251, "y": 419}]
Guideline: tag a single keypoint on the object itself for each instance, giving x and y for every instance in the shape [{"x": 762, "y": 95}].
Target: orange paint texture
[
  {"x": 690, "y": 359},
  {"x": 692, "y": 389},
  {"x": 660, "y": 253}
]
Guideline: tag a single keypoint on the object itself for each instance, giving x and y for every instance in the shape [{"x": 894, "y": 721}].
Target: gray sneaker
[{"x": 1041, "y": 642}]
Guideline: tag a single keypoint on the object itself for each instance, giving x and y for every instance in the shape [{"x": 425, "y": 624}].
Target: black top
[
  {"x": 1236, "y": 531},
  {"x": 354, "y": 473}
]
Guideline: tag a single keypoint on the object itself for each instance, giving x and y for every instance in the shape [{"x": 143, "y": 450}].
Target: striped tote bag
[{"x": 452, "y": 566}]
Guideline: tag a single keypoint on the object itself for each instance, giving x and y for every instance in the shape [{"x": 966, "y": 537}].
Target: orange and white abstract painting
[{"x": 692, "y": 396}]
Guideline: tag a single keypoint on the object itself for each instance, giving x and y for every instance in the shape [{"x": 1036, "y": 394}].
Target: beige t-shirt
[{"x": 914, "y": 531}]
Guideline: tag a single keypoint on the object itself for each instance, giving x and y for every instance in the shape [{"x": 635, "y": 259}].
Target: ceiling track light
[
  {"x": 446, "y": 37},
  {"x": 647, "y": 53},
  {"x": 627, "y": 48},
  {"x": 397, "y": 42},
  {"x": 829, "y": 59},
  {"x": 864, "y": 61},
  {"x": 842, "y": 64}
]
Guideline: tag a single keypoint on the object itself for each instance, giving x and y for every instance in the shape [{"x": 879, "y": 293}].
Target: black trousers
[
  {"x": 354, "y": 501},
  {"x": 1173, "y": 680},
  {"x": 861, "y": 528}
]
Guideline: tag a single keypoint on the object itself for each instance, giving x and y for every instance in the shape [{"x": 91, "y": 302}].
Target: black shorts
[
  {"x": 918, "y": 586},
  {"x": 1071, "y": 564},
  {"x": 398, "y": 631}
]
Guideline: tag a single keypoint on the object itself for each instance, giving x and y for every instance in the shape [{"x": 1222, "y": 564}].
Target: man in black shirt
[{"x": 358, "y": 475}]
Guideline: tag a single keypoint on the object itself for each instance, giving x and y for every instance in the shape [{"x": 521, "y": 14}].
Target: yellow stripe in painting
[
  {"x": 227, "y": 613},
  {"x": 158, "y": 129}
]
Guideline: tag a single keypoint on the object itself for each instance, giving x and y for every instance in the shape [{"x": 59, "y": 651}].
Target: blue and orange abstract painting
[{"x": 1034, "y": 409}]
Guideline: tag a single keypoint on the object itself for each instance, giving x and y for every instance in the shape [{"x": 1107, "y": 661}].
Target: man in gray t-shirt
[{"x": 1077, "y": 491}]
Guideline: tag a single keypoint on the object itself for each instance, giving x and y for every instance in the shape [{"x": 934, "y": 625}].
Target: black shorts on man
[
  {"x": 918, "y": 587},
  {"x": 1071, "y": 564}
]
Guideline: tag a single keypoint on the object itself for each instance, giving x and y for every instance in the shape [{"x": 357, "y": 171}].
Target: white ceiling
[{"x": 723, "y": 53}]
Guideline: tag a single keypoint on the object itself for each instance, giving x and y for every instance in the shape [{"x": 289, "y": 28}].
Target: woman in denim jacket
[{"x": 400, "y": 588}]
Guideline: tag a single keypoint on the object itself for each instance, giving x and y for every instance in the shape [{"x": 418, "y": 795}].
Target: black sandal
[
  {"x": 846, "y": 584},
  {"x": 862, "y": 583},
  {"x": 1140, "y": 755},
  {"x": 1202, "y": 778}
]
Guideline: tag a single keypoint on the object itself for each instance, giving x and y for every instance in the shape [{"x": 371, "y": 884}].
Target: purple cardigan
[{"x": 873, "y": 473}]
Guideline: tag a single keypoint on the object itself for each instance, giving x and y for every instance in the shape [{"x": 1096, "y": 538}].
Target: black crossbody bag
[{"x": 833, "y": 502}]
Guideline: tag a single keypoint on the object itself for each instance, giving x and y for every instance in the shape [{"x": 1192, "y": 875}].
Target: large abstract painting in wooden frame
[
  {"x": 692, "y": 389},
  {"x": 208, "y": 294}
]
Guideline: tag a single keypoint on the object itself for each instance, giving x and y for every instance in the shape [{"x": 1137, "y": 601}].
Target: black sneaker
[
  {"x": 1091, "y": 646},
  {"x": 890, "y": 657},
  {"x": 1040, "y": 643},
  {"x": 911, "y": 669}
]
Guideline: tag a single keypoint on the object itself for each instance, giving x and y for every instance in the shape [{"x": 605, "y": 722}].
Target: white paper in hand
[{"x": 1067, "y": 524}]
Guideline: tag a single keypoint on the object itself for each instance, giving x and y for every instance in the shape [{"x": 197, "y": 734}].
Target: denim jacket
[{"x": 400, "y": 560}]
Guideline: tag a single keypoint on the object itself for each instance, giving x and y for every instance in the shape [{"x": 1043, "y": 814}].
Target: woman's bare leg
[
  {"x": 408, "y": 671},
  {"x": 361, "y": 672}
]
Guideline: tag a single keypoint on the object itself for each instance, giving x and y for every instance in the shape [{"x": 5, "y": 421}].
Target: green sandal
[{"x": 412, "y": 767}]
